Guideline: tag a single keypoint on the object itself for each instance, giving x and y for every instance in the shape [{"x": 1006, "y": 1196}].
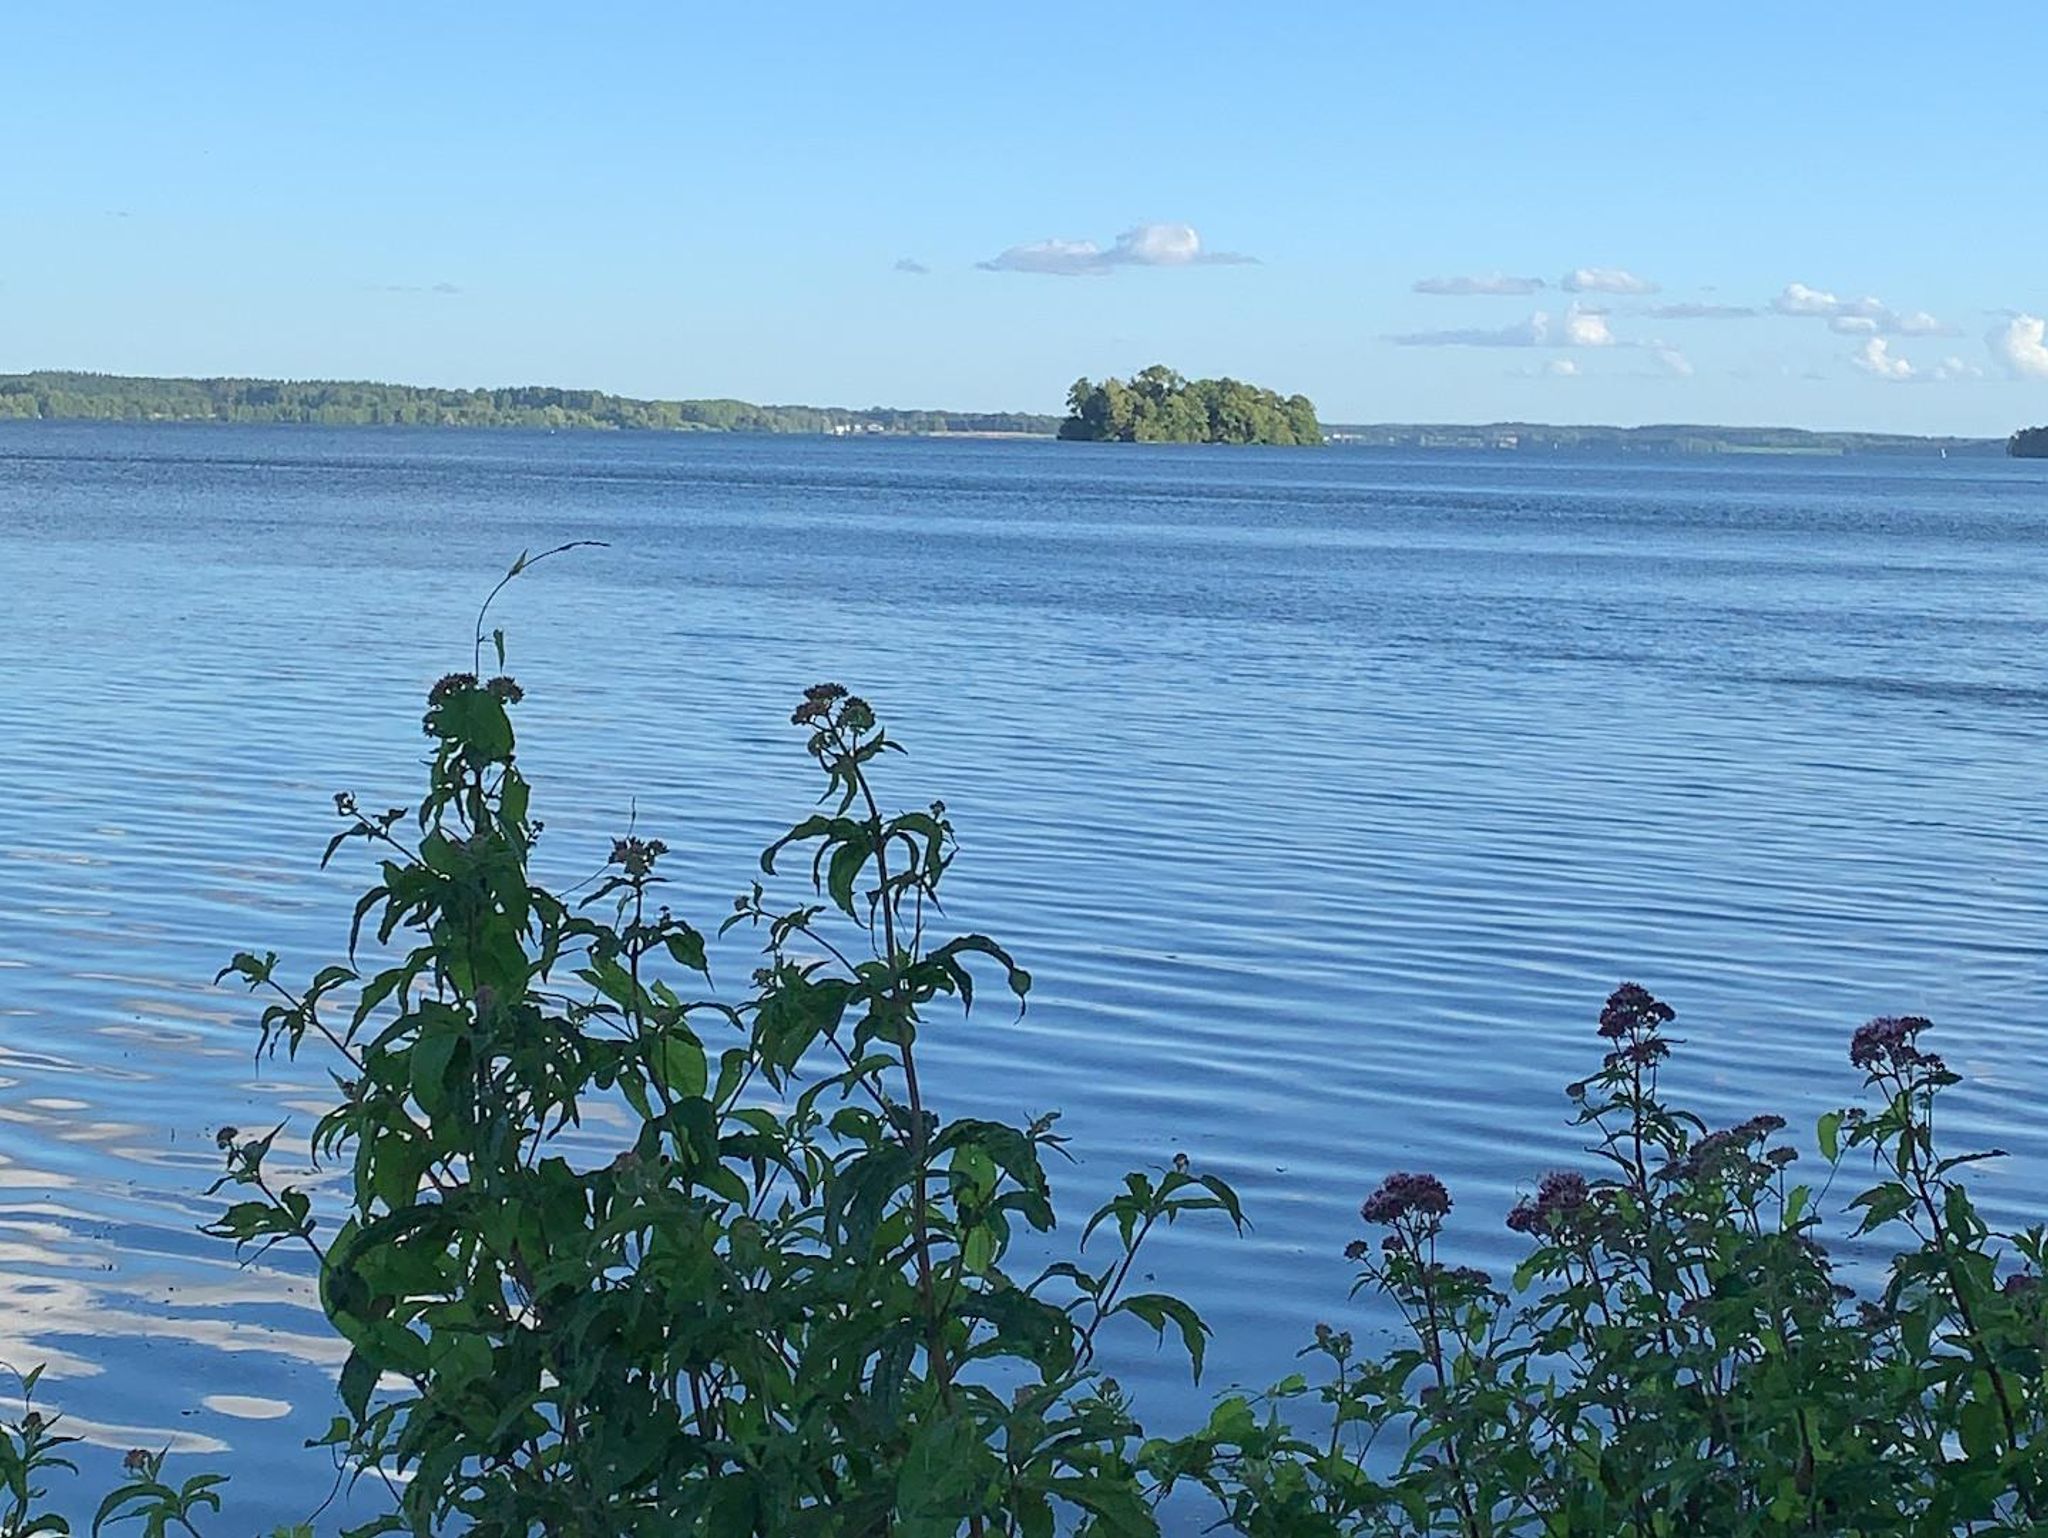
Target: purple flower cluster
[
  {"x": 1890, "y": 1043},
  {"x": 818, "y": 702},
  {"x": 637, "y": 854},
  {"x": 823, "y": 701},
  {"x": 1633, "y": 1011},
  {"x": 1561, "y": 1196},
  {"x": 1403, "y": 1195},
  {"x": 1717, "y": 1149}
]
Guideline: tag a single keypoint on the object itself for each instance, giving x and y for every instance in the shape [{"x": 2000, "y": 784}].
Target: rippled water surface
[{"x": 1326, "y": 794}]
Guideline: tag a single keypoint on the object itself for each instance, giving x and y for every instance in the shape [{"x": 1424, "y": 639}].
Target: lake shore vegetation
[{"x": 83, "y": 397}]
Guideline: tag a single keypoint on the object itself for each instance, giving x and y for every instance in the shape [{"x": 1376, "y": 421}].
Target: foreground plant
[
  {"x": 616, "y": 1259},
  {"x": 1674, "y": 1355}
]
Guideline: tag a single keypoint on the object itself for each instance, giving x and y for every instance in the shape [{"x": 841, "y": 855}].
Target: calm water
[{"x": 1326, "y": 794}]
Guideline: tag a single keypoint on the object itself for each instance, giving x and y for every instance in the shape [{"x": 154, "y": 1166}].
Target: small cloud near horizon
[
  {"x": 1479, "y": 283},
  {"x": 1875, "y": 358},
  {"x": 443, "y": 289},
  {"x": 1702, "y": 311},
  {"x": 912, "y": 265},
  {"x": 1604, "y": 280},
  {"x": 1577, "y": 327},
  {"x": 1143, "y": 245},
  {"x": 1867, "y": 316}
]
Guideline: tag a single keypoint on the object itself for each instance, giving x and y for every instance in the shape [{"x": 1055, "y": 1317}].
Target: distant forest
[
  {"x": 1159, "y": 406},
  {"x": 328, "y": 403}
]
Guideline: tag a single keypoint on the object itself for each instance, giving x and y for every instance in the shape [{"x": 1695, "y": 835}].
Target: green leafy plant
[
  {"x": 32, "y": 1448},
  {"x": 1674, "y": 1355},
  {"x": 779, "y": 1299}
]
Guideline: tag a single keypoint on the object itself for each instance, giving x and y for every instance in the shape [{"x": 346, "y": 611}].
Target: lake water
[{"x": 1326, "y": 795}]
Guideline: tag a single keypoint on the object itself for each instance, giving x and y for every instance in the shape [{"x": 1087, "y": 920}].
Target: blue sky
[{"x": 1815, "y": 215}]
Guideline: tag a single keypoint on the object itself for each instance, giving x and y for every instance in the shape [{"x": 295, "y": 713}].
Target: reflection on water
[{"x": 1325, "y": 795}]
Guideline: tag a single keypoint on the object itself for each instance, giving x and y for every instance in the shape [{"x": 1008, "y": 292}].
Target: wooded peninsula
[{"x": 337, "y": 403}]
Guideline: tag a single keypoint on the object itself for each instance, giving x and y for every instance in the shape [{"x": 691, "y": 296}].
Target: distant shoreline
[{"x": 84, "y": 397}]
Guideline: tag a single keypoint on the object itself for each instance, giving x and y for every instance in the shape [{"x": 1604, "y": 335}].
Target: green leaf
[
  {"x": 1829, "y": 1134},
  {"x": 941, "y": 1479},
  {"x": 1884, "y": 1202},
  {"x": 427, "y": 1068},
  {"x": 1980, "y": 1429},
  {"x": 1158, "y": 1310},
  {"x": 679, "y": 1060}
]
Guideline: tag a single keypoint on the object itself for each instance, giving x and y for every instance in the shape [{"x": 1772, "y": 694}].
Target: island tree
[{"x": 1158, "y": 405}]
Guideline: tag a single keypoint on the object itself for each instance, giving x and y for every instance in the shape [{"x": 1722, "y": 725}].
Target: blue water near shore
[{"x": 1325, "y": 793}]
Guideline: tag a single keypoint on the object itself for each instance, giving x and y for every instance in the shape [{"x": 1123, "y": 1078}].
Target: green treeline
[
  {"x": 1159, "y": 406},
  {"x": 2028, "y": 443},
  {"x": 330, "y": 403}
]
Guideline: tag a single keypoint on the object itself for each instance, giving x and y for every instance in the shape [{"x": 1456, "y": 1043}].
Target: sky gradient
[{"x": 1591, "y": 213}]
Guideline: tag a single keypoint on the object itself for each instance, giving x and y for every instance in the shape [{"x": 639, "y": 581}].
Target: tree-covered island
[
  {"x": 2028, "y": 443},
  {"x": 1159, "y": 406}
]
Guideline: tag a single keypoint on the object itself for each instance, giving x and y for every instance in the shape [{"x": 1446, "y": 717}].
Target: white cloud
[
  {"x": 1798, "y": 299},
  {"x": 1575, "y": 328},
  {"x": 1144, "y": 245},
  {"x": 1482, "y": 283},
  {"x": 1675, "y": 362},
  {"x": 1956, "y": 368},
  {"x": 1605, "y": 280},
  {"x": 1867, "y": 316},
  {"x": 2020, "y": 346},
  {"x": 1562, "y": 368},
  {"x": 1586, "y": 328},
  {"x": 911, "y": 265},
  {"x": 1701, "y": 311},
  {"x": 1874, "y": 357}
]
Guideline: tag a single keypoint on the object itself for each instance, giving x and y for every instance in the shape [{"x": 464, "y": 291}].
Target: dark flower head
[
  {"x": 1560, "y": 1197},
  {"x": 135, "y": 1460},
  {"x": 637, "y": 855},
  {"x": 1890, "y": 1043},
  {"x": 1357, "y": 1250},
  {"x": 824, "y": 694},
  {"x": 225, "y": 1138},
  {"x": 856, "y": 714},
  {"x": 505, "y": 690},
  {"x": 1402, "y": 1194},
  {"x": 2022, "y": 1284},
  {"x": 1642, "y": 1052},
  {"x": 450, "y": 685},
  {"x": 1632, "y": 1010}
]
